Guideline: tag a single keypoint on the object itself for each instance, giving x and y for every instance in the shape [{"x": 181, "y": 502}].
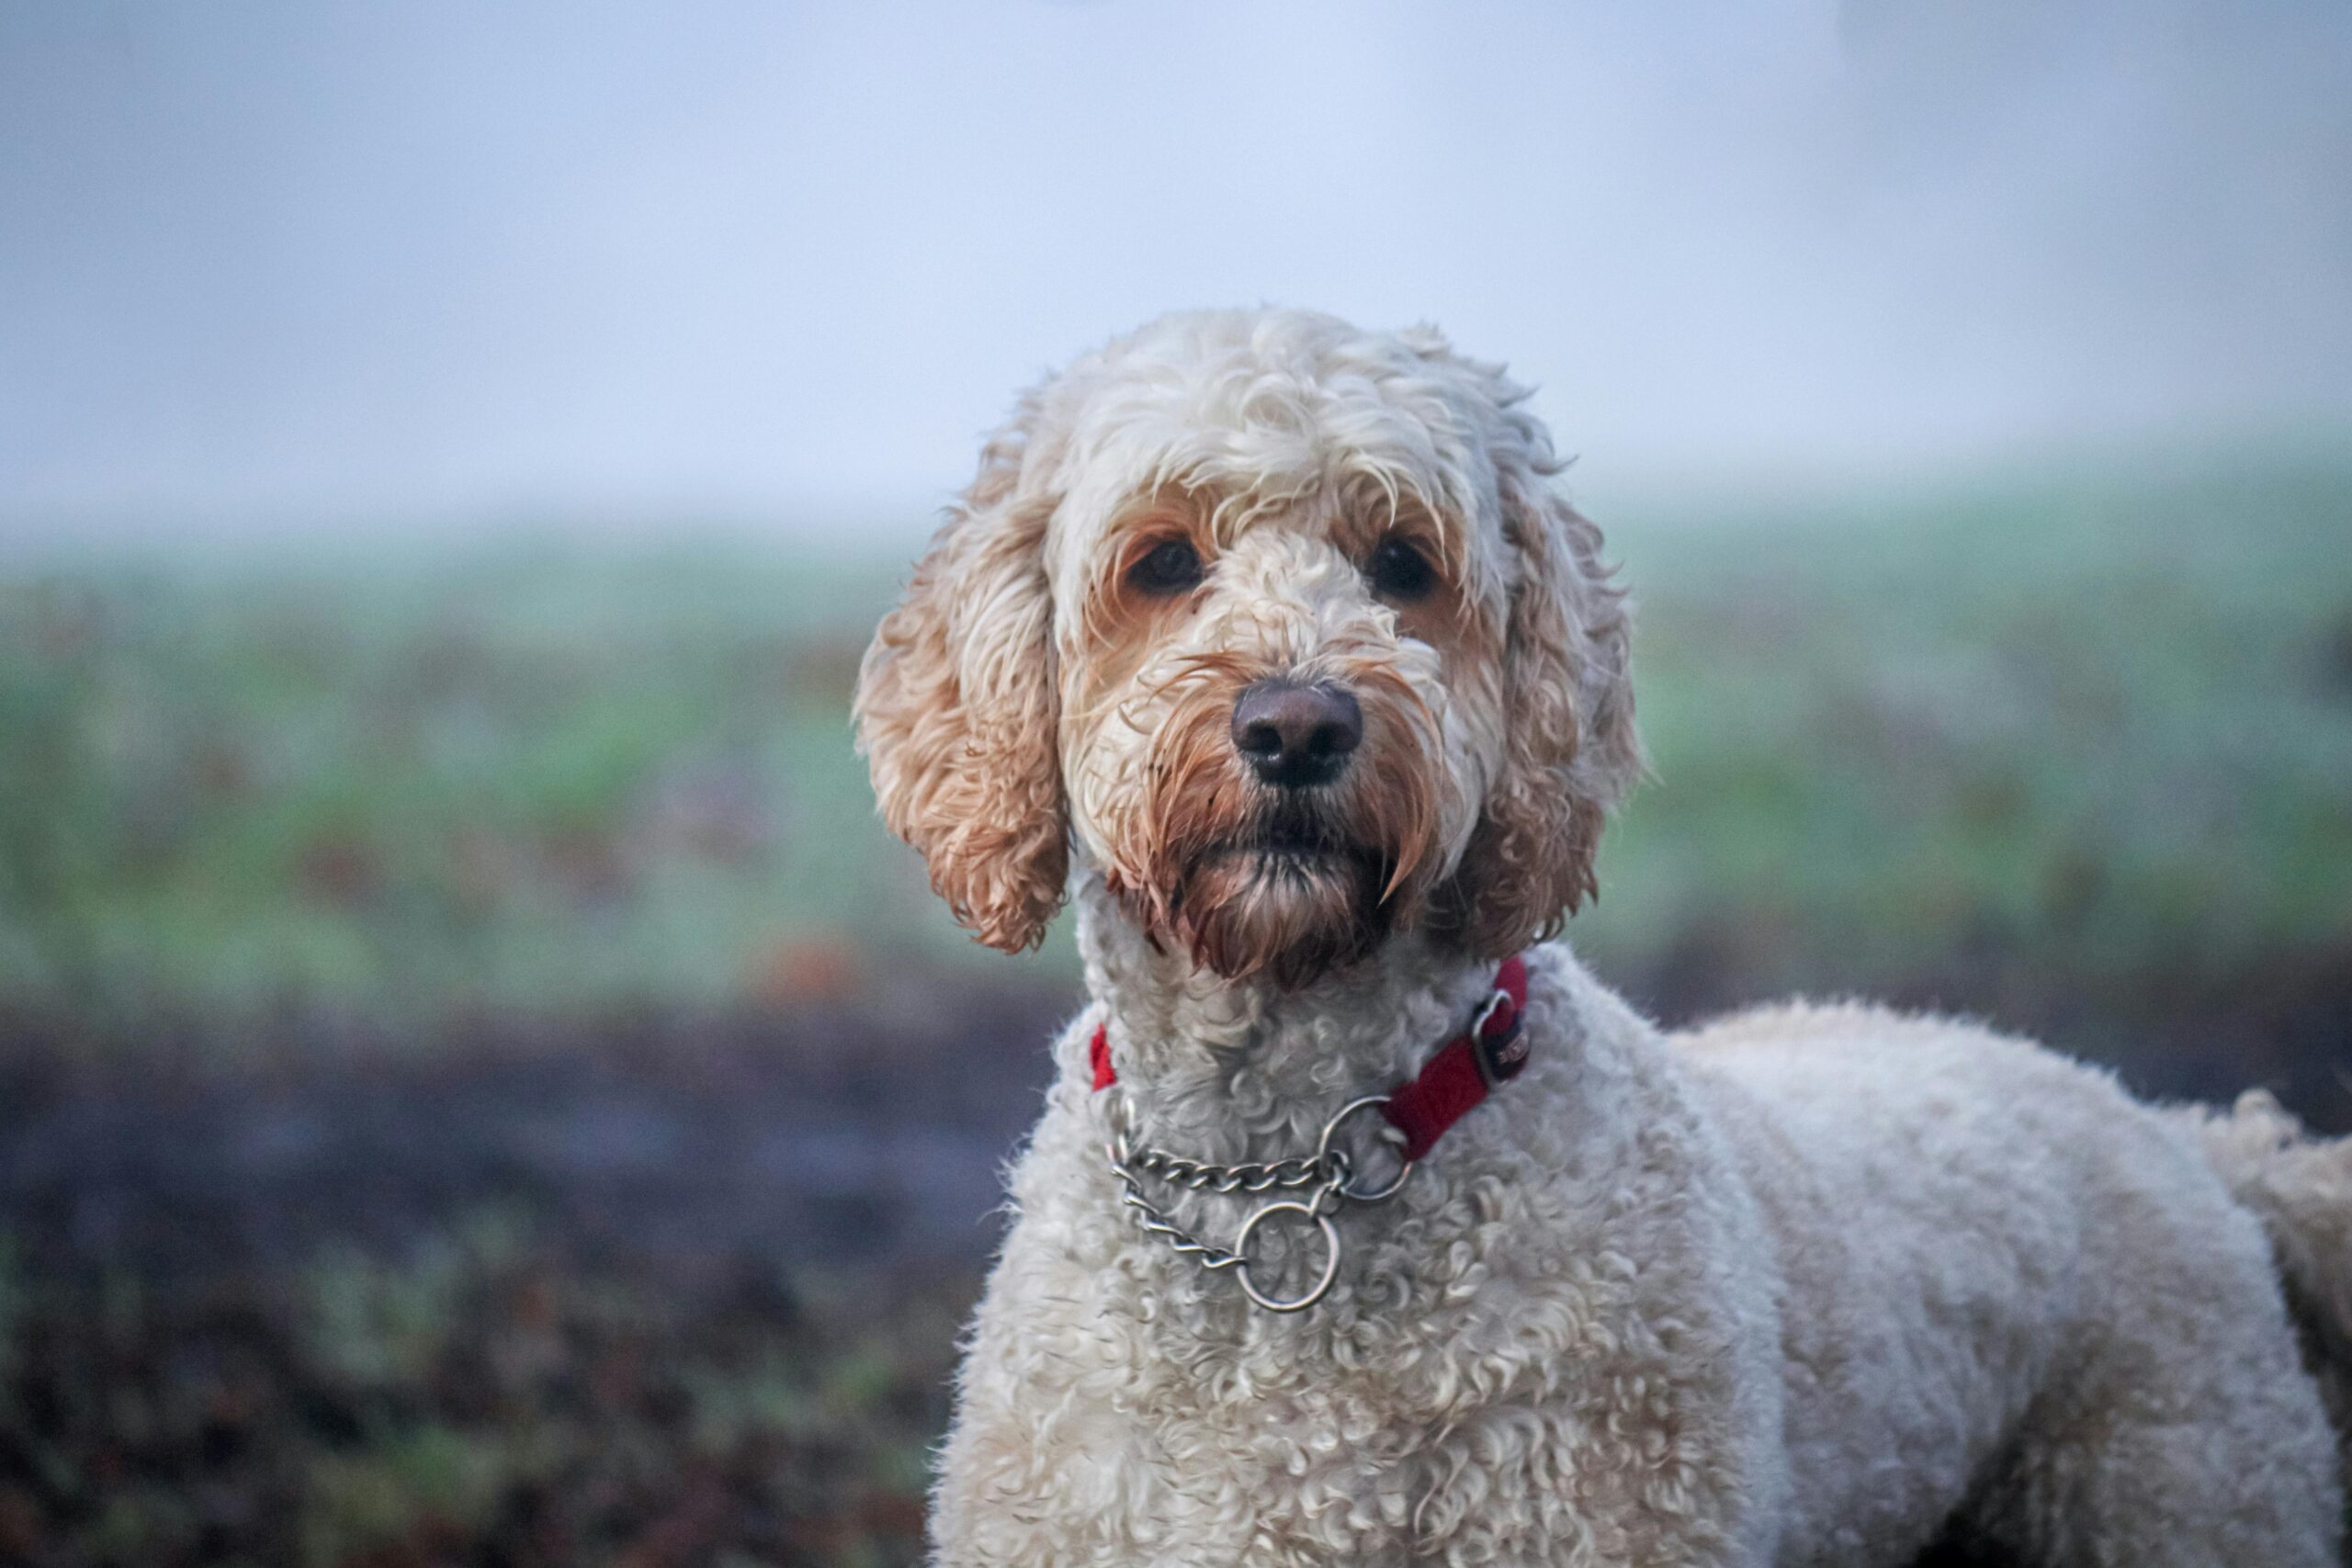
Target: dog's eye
[
  {"x": 1173, "y": 566},
  {"x": 1398, "y": 570}
]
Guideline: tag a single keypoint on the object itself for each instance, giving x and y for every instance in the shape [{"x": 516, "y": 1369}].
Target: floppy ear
[
  {"x": 1570, "y": 748},
  {"x": 956, "y": 709}
]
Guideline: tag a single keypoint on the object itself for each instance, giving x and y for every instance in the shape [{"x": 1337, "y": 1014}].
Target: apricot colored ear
[{"x": 955, "y": 711}]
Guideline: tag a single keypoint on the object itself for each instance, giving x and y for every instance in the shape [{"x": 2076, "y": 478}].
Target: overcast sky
[{"x": 451, "y": 257}]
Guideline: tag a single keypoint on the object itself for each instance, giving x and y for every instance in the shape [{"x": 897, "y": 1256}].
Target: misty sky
[{"x": 789, "y": 262}]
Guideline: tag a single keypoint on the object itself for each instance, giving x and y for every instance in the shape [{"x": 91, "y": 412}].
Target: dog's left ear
[
  {"x": 956, "y": 709},
  {"x": 1570, "y": 748}
]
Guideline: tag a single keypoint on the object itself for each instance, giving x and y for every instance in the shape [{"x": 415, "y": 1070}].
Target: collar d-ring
[{"x": 1350, "y": 1189}]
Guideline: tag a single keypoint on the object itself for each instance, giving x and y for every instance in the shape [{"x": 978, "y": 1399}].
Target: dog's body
[
  {"x": 1801, "y": 1288},
  {"x": 1796, "y": 1289}
]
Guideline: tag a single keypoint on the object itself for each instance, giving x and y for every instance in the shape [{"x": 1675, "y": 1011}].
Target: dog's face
[{"x": 1279, "y": 624}]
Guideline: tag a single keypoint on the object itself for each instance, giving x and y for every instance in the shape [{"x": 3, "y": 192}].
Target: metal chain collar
[{"x": 1328, "y": 1169}]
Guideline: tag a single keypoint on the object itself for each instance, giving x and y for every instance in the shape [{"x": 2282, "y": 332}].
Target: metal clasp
[
  {"x": 1499, "y": 1059},
  {"x": 1330, "y": 1159},
  {"x": 1331, "y": 1170}
]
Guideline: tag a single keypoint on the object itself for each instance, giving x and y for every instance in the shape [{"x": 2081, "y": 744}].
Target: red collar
[{"x": 1490, "y": 1052}]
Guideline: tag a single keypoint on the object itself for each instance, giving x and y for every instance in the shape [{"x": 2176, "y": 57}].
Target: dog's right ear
[{"x": 956, "y": 709}]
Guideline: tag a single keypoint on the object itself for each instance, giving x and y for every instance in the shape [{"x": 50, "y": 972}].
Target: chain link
[
  {"x": 1329, "y": 1167},
  {"x": 1249, "y": 1176}
]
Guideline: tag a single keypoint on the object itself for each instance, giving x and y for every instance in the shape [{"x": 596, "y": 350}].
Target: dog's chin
[{"x": 1283, "y": 912}]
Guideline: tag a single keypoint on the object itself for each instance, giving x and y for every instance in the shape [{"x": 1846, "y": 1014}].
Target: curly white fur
[{"x": 1803, "y": 1287}]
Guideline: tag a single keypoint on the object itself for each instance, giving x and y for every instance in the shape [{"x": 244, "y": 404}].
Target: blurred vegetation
[
  {"x": 534, "y": 778},
  {"x": 2104, "y": 715}
]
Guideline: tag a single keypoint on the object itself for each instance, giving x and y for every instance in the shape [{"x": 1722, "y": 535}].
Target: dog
[{"x": 1364, "y": 1225}]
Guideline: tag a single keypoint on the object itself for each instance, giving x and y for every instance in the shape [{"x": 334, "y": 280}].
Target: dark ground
[{"x": 660, "y": 1291}]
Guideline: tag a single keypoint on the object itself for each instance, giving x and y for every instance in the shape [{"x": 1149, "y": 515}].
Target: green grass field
[{"x": 2109, "y": 711}]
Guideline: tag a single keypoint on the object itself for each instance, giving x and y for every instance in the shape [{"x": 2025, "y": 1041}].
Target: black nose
[{"x": 1296, "y": 736}]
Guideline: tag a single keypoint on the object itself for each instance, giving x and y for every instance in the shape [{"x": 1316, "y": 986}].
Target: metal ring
[
  {"x": 1496, "y": 1001},
  {"x": 1330, "y": 1262},
  {"x": 1323, "y": 1151}
]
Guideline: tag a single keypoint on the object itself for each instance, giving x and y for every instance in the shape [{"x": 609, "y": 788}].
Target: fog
[{"x": 265, "y": 264}]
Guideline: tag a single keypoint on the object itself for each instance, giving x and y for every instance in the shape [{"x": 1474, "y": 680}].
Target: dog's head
[{"x": 1278, "y": 625}]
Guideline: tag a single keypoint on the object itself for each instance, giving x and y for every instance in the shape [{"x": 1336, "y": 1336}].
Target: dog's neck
[{"x": 1246, "y": 1069}]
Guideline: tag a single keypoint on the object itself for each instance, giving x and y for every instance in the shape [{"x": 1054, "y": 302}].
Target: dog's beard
[
  {"x": 1287, "y": 898},
  {"x": 1254, "y": 881}
]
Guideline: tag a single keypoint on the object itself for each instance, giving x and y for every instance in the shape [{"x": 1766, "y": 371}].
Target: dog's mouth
[
  {"x": 1290, "y": 896},
  {"x": 1292, "y": 836}
]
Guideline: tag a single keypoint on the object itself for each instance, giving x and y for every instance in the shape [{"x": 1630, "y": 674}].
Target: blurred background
[{"x": 476, "y": 1083}]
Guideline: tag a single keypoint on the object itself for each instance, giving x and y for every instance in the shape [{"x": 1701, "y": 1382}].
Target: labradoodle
[{"x": 1364, "y": 1225}]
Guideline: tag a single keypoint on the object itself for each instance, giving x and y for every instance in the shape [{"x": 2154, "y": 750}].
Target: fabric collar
[{"x": 1493, "y": 1050}]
